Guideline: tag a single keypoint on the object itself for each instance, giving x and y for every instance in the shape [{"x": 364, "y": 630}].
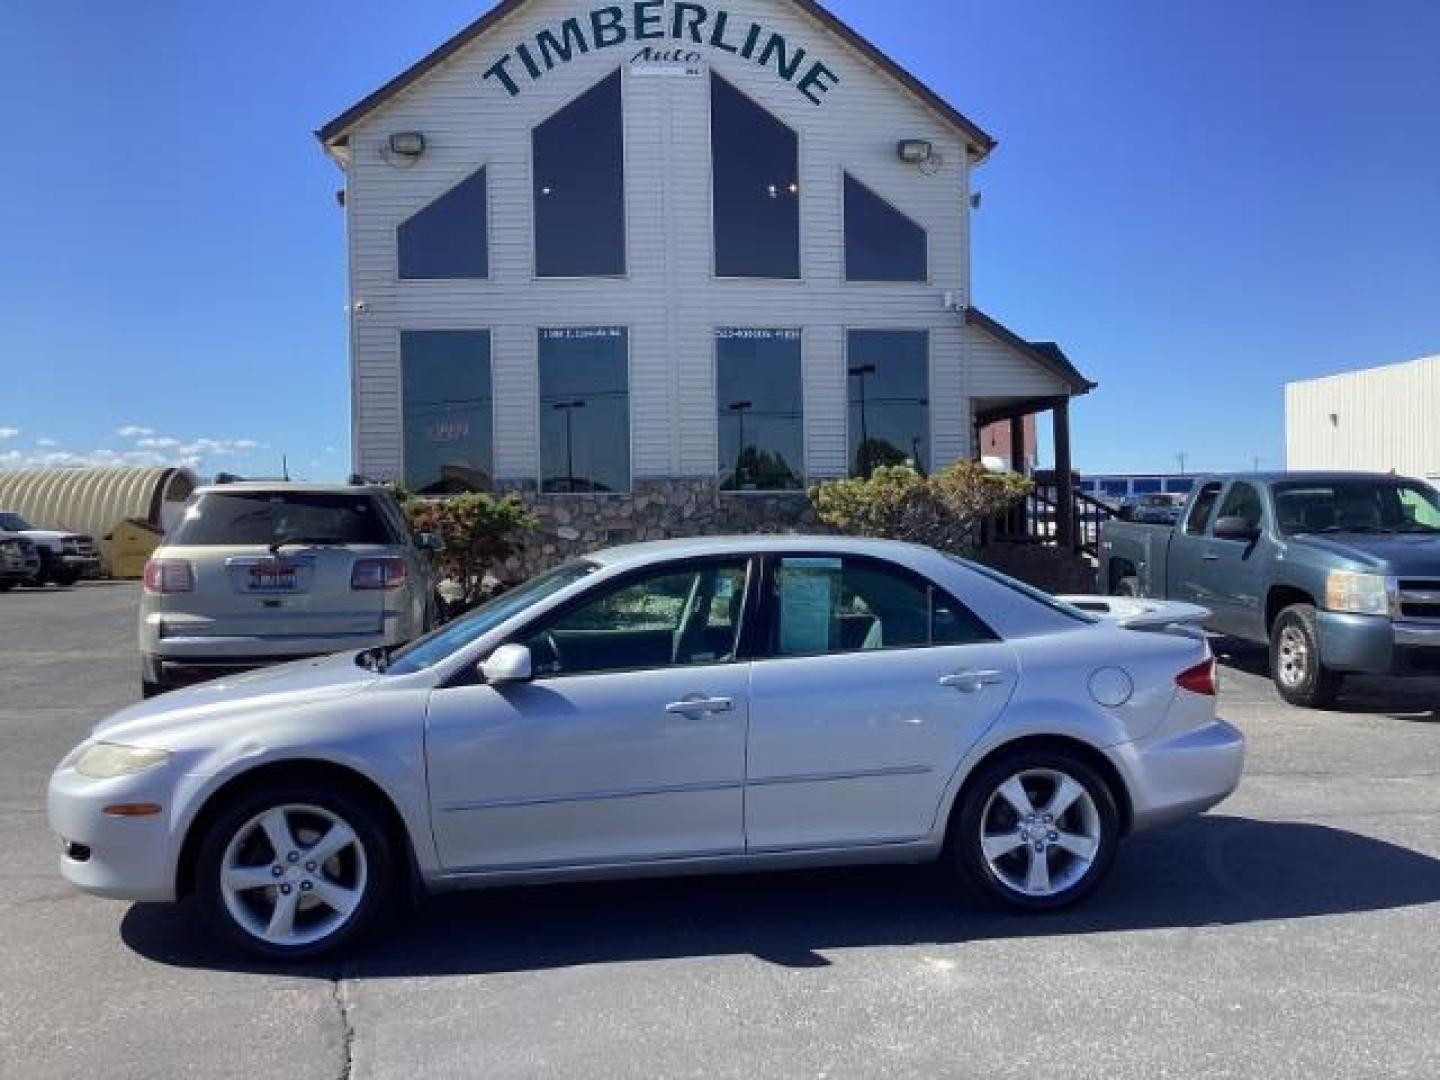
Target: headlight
[
  {"x": 1356, "y": 594},
  {"x": 104, "y": 761}
]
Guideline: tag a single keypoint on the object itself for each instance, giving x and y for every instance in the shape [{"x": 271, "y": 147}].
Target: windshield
[
  {"x": 436, "y": 646},
  {"x": 228, "y": 519},
  {"x": 1025, "y": 590},
  {"x": 1357, "y": 506},
  {"x": 15, "y": 523}
]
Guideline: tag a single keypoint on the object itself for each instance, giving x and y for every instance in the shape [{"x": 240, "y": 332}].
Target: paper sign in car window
[{"x": 807, "y": 604}]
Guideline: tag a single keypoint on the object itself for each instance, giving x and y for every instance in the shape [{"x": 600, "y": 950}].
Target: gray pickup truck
[{"x": 1339, "y": 573}]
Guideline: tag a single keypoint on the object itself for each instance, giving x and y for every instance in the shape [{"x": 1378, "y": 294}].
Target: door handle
[
  {"x": 1209, "y": 556},
  {"x": 700, "y": 706},
  {"x": 972, "y": 682}
]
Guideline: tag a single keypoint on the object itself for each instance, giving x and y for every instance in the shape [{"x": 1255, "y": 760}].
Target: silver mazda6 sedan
[{"x": 692, "y": 706}]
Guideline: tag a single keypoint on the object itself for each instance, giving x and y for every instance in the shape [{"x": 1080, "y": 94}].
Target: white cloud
[
  {"x": 42, "y": 441},
  {"x": 162, "y": 442},
  {"x": 9, "y": 432},
  {"x": 131, "y": 431},
  {"x": 149, "y": 450}
]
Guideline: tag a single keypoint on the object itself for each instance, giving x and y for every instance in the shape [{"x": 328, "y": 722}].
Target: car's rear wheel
[
  {"x": 1295, "y": 664},
  {"x": 1037, "y": 830},
  {"x": 290, "y": 871}
]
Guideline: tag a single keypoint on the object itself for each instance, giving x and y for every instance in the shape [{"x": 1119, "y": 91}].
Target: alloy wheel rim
[
  {"x": 1294, "y": 660},
  {"x": 1040, "y": 832},
  {"x": 293, "y": 874}
]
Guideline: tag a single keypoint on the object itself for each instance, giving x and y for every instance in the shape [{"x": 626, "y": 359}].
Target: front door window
[{"x": 676, "y": 618}]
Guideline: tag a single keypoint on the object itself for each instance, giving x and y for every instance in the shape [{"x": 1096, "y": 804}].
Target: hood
[
  {"x": 1393, "y": 554},
  {"x": 158, "y": 720}
]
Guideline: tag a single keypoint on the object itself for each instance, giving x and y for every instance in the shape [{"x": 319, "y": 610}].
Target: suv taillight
[
  {"x": 169, "y": 576},
  {"x": 382, "y": 573},
  {"x": 1199, "y": 679}
]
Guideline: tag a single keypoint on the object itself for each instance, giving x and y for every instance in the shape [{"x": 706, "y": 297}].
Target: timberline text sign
[{"x": 684, "y": 23}]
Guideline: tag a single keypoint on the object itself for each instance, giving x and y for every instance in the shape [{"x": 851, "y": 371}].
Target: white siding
[
  {"x": 1382, "y": 419},
  {"x": 669, "y": 299}
]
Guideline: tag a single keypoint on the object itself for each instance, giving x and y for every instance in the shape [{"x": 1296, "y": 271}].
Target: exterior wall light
[
  {"x": 915, "y": 151},
  {"x": 407, "y": 144}
]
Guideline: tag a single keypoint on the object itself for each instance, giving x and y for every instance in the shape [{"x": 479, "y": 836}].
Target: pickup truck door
[
  {"x": 1189, "y": 574},
  {"x": 1232, "y": 569}
]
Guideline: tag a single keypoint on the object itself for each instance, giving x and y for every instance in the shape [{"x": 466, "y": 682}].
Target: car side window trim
[
  {"x": 767, "y": 624},
  {"x": 1208, "y": 498},
  {"x": 622, "y": 581}
]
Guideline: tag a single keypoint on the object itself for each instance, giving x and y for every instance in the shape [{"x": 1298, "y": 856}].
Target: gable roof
[
  {"x": 1045, "y": 353},
  {"x": 335, "y": 132}
]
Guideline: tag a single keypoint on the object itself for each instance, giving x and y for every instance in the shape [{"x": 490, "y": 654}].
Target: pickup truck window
[
  {"x": 1356, "y": 506},
  {"x": 1243, "y": 501},
  {"x": 1199, "y": 519}
]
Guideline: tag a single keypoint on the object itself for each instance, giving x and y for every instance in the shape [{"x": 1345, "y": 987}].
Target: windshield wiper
[{"x": 308, "y": 541}]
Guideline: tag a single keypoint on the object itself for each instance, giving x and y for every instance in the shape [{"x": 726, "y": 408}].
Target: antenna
[{"x": 285, "y": 468}]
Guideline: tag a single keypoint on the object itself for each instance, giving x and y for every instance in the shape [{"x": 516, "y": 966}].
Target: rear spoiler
[{"x": 1135, "y": 613}]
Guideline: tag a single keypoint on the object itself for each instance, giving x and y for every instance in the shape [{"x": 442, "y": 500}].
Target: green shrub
[
  {"x": 479, "y": 531},
  {"x": 942, "y": 510}
]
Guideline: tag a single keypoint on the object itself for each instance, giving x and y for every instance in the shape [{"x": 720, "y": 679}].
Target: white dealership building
[
  {"x": 661, "y": 265},
  {"x": 1383, "y": 419}
]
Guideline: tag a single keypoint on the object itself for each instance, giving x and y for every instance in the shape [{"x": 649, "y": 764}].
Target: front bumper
[
  {"x": 1186, "y": 774},
  {"x": 123, "y": 858},
  {"x": 1372, "y": 644}
]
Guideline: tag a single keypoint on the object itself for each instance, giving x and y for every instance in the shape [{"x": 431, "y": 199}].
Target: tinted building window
[
  {"x": 585, "y": 410},
  {"x": 448, "y": 413},
  {"x": 881, "y": 243},
  {"x": 889, "y": 399},
  {"x": 579, "y": 170},
  {"x": 760, "y": 398},
  {"x": 450, "y": 238},
  {"x": 756, "y": 163}
]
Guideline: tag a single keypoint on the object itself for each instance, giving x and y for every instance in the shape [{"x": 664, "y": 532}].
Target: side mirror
[
  {"x": 508, "y": 664},
  {"x": 429, "y": 542},
  {"x": 1236, "y": 528}
]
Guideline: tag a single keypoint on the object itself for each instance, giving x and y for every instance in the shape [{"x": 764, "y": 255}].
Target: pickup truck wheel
[
  {"x": 6, "y": 585},
  {"x": 65, "y": 578},
  {"x": 1295, "y": 663},
  {"x": 1127, "y": 586}
]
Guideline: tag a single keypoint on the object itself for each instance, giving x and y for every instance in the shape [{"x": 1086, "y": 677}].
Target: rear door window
[
  {"x": 1199, "y": 518},
  {"x": 840, "y": 605},
  {"x": 262, "y": 518}
]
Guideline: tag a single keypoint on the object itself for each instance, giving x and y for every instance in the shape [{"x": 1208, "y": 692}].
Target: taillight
[
  {"x": 169, "y": 576},
  {"x": 382, "y": 573},
  {"x": 1200, "y": 679}
]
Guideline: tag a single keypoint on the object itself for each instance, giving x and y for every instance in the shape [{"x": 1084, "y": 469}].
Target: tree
[
  {"x": 896, "y": 502},
  {"x": 479, "y": 532}
]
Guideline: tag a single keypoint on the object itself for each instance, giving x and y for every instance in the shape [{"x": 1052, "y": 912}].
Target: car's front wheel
[
  {"x": 1037, "y": 830},
  {"x": 290, "y": 871},
  {"x": 1295, "y": 662}
]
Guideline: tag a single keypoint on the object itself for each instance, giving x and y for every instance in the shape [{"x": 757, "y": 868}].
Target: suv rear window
[{"x": 224, "y": 519}]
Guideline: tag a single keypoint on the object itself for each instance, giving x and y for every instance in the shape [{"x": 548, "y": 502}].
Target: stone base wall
[{"x": 574, "y": 525}]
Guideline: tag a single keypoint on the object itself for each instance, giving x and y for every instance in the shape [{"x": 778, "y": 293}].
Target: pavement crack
[{"x": 343, "y": 1005}]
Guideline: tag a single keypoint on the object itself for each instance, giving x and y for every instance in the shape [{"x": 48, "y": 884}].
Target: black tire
[
  {"x": 150, "y": 689},
  {"x": 65, "y": 578},
  {"x": 1296, "y": 665},
  {"x": 1126, "y": 586},
  {"x": 981, "y": 804},
  {"x": 373, "y": 880},
  {"x": 6, "y": 585}
]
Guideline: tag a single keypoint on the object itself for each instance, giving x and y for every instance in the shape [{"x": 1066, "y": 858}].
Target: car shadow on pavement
[
  {"x": 1213, "y": 870},
  {"x": 1413, "y": 699}
]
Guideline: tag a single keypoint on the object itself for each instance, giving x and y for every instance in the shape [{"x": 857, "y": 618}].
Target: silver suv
[{"x": 257, "y": 574}]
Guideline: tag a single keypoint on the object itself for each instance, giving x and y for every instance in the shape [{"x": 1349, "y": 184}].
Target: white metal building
[
  {"x": 664, "y": 253},
  {"x": 1381, "y": 419}
]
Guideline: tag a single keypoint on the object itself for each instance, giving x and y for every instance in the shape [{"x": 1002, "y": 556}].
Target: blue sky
[{"x": 1200, "y": 201}]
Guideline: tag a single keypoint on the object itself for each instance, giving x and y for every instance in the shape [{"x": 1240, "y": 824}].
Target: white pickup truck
[{"x": 65, "y": 557}]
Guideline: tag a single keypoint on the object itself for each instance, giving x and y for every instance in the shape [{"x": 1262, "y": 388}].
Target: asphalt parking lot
[{"x": 1295, "y": 932}]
